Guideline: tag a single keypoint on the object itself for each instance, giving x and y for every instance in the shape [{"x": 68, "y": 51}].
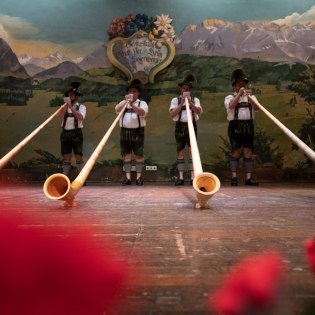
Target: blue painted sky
[{"x": 79, "y": 25}]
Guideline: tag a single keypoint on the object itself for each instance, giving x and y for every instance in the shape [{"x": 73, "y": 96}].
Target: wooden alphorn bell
[
  {"x": 58, "y": 186},
  {"x": 4, "y": 161},
  {"x": 303, "y": 146},
  {"x": 205, "y": 184}
]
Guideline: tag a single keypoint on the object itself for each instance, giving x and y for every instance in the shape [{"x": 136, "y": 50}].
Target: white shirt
[
  {"x": 183, "y": 118},
  {"x": 130, "y": 119},
  {"x": 69, "y": 125},
  {"x": 243, "y": 112}
]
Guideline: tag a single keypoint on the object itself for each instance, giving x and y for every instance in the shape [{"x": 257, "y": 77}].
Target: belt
[{"x": 123, "y": 128}]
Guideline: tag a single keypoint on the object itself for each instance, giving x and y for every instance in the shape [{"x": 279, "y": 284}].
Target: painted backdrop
[{"x": 46, "y": 45}]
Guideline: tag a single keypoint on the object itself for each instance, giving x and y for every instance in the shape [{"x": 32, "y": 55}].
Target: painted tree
[
  {"x": 264, "y": 148},
  {"x": 305, "y": 87}
]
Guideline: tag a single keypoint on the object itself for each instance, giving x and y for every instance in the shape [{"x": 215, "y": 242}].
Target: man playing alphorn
[
  {"x": 241, "y": 107},
  {"x": 71, "y": 137},
  {"x": 178, "y": 112},
  {"x": 132, "y": 126}
]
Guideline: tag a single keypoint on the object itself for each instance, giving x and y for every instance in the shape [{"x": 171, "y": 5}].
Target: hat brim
[
  {"x": 240, "y": 79},
  {"x": 184, "y": 83},
  {"x": 75, "y": 92},
  {"x": 133, "y": 87}
]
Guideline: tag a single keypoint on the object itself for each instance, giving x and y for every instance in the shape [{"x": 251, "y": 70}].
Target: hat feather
[
  {"x": 190, "y": 78},
  {"x": 76, "y": 85}
]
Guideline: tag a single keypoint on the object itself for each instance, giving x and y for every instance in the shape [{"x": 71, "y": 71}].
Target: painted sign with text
[{"x": 141, "y": 47}]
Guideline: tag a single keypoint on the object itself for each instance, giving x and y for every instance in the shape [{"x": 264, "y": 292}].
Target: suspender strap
[
  {"x": 122, "y": 118},
  {"x": 239, "y": 105},
  {"x": 138, "y": 115},
  {"x": 184, "y": 108},
  {"x": 66, "y": 115},
  {"x": 130, "y": 110},
  {"x": 75, "y": 119},
  {"x": 180, "y": 112}
]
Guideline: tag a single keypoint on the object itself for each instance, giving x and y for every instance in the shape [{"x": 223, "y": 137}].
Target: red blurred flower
[
  {"x": 252, "y": 284},
  {"x": 54, "y": 271},
  {"x": 310, "y": 252}
]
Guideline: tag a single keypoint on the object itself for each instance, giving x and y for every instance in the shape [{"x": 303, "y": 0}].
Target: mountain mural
[
  {"x": 47, "y": 62},
  {"x": 267, "y": 41},
  {"x": 97, "y": 59},
  {"x": 258, "y": 40},
  {"x": 63, "y": 70},
  {"x": 32, "y": 69},
  {"x": 9, "y": 63}
]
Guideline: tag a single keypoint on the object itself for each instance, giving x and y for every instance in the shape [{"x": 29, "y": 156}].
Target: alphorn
[
  {"x": 205, "y": 184},
  {"x": 4, "y": 161},
  {"x": 58, "y": 186},
  {"x": 304, "y": 147}
]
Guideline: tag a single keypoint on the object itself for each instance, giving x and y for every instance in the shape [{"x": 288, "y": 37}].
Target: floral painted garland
[{"x": 160, "y": 27}]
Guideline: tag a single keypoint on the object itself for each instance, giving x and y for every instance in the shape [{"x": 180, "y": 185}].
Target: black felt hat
[
  {"x": 74, "y": 88},
  {"x": 188, "y": 81},
  {"x": 238, "y": 75},
  {"x": 135, "y": 83}
]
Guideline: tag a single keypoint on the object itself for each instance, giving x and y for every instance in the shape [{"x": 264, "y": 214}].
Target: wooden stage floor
[{"x": 184, "y": 252}]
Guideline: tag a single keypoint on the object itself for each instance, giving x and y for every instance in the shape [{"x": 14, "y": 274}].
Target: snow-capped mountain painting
[
  {"x": 269, "y": 41},
  {"x": 96, "y": 59},
  {"x": 47, "y": 62},
  {"x": 259, "y": 40},
  {"x": 273, "y": 41}
]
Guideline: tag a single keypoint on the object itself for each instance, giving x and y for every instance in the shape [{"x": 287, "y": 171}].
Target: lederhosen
[
  {"x": 241, "y": 132},
  {"x": 131, "y": 139},
  {"x": 181, "y": 129},
  {"x": 71, "y": 140}
]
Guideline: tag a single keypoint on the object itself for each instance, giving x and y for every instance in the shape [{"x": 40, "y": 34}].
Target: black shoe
[
  {"x": 234, "y": 181},
  {"x": 126, "y": 182},
  {"x": 250, "y": 182},
  {"x": 179, "y": 182},
  {"x": 139, "y": 181}
]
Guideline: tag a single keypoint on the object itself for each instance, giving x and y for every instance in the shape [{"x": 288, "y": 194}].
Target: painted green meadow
[{"x": 103, "y": 88}]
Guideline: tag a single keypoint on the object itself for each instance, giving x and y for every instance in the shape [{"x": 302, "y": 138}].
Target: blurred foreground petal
[
  {"x": 54, "y": 271},
  {"x": 252, "y": 284}
]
